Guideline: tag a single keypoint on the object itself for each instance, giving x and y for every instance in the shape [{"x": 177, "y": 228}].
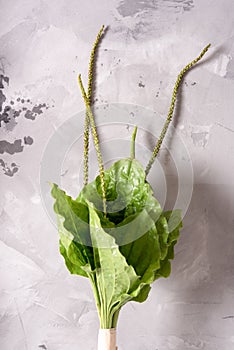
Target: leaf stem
[
  {"x": 132, "y": 150},
  {"x": 172, "y": 107},
  {"x": 95, "y": 140},
  {"x": 89, "y": 96}
]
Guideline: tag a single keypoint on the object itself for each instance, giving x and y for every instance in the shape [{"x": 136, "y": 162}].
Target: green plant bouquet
[{"x": 115, "y": 232}]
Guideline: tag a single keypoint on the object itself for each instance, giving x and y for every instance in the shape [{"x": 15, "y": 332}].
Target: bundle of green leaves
[{"x": 115, "y": 232}]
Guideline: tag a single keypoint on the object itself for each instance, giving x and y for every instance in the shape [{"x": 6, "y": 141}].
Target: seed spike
[
  {"x": 89, "y": 96},
  {"x": 172, "y": 107},
  {"x": 95, "y": 140}
]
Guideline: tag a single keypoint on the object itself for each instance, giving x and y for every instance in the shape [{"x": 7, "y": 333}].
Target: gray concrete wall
[{"x": 43, "y": 46}]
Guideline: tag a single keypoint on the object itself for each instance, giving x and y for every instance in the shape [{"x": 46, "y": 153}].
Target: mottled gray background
[{"x": 43, "y": 46}]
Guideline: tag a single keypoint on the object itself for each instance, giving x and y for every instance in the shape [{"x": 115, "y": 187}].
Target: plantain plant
[{"x": 115, "y": 232}]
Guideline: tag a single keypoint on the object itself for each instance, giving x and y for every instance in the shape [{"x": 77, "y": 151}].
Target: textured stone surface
[{"x": 44, "y": 45}]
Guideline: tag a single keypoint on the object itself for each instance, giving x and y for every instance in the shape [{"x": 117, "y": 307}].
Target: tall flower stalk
[
  {"x": 89, "y": 121},
  {"x": 172, "y": 107}
]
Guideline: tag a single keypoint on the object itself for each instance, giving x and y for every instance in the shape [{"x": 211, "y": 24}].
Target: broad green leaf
[
  {"x": 73, "y": 228},
  {"x": 174, "y": 225},
  {"x": 115, "y": 278},
  {"x": 74, "y": 268},
  {"x": 127, "y": 192},
  {"x": 143, "y": 253}
]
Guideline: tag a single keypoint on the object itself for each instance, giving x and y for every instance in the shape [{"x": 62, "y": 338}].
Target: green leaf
[
  {"x": 127, "y": 192},
  {"x": 115, "y": 278},
  {"x": 74, "y": 268},
  {"x": 174, "y": 225},
  {"x": 73, "y": 229}
]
